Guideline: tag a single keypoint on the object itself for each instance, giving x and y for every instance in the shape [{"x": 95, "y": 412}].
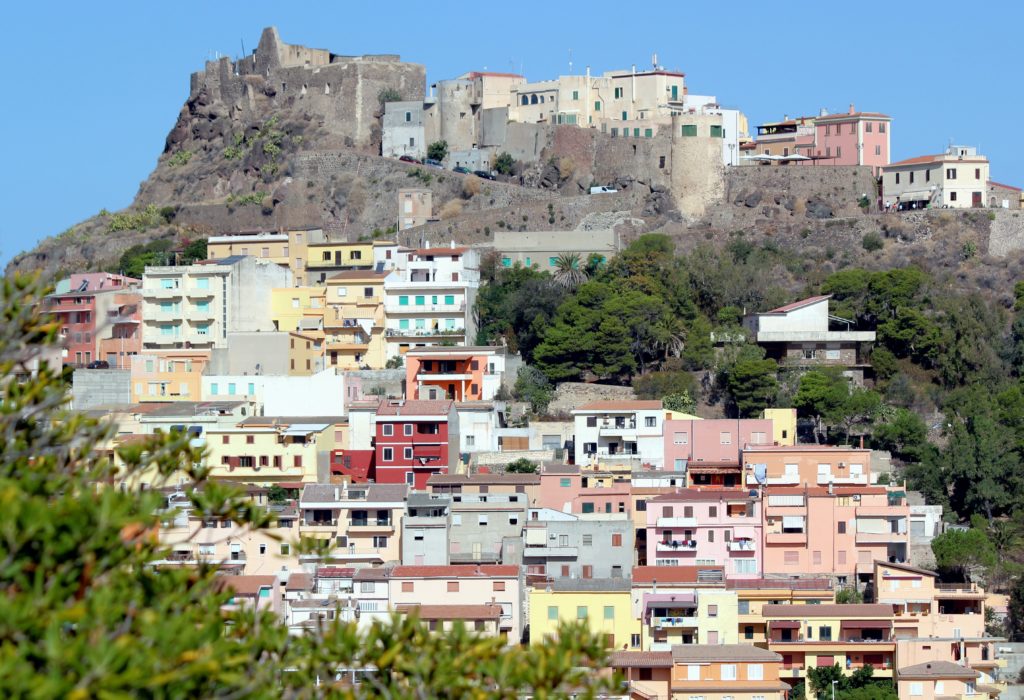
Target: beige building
[
  {"x": 956, "y": 179},
  {"x": 168, "y": 375},
  {"x": 288, "y": 248},
  {"x": 415, "y": 207},
  {"x": 354, "y": 319},
  {"x": 361, "y": 523},
  {"x": 542, "y": 248},
  {"x": 271, "y": 451}
]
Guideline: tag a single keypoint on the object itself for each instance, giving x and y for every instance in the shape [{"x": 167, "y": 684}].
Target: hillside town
[{"x": 353, "y": 386}]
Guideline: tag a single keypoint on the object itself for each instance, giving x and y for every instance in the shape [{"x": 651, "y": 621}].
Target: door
[{"x": 976, "y": 199}]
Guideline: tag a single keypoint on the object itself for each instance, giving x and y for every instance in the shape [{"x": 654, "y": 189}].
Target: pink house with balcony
[
  {"x": 710, "y": 452},
  {"x": 706, "y": 527},
  {"x": 806, "y": 465},
  {"x": 853, "y": 138}
]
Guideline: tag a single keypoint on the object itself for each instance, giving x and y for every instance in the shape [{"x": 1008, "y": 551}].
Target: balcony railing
[
  {"x": 678, "y": 545},
  {"x": 423, "y": 332},
  {"x": 742, "y": 546},
  {"x": 675, "y": 621}
]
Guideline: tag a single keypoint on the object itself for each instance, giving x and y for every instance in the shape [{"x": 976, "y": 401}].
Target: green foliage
[
  {"x": 534, "y": 388},
  {"x": 849, "y": 595},
  {"x": 388, "y": 94},
  {"x": 438, "y": 150},
  {"x": 194, "y": 250},
  {"x": 515, "y": 305},
  {"x": 521, "y": 466},
  {"x": 659, "y": 384},
  {"x": 568, "y": 271},
  {"x": 680, "y": 401},
  {"x": 860, "y": 685},
  {"x": 421, "y": 175},
  {"x": 969, "y": 250},
  {"x": 395, "y": 362},
  {"x": 136, "y": 259},
  {"x": 504, "y": 163},
  {"x": 276, "y": 494},
  {"x": 872, "y": 242},
  {"x": 85, "y": 615},
  {"x": 957, "y": 552},
  {"x": 144, "y": 220},
  {"x": 753, "y": 386},
  {"x": 179, "y": 158},
  {"x": 243, "y": 200}
]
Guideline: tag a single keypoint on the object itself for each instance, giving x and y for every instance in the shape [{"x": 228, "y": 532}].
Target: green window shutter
[
  {"x": 716, "y": 131},
  {"x": 449, "y": 299},
  {"x": 624, "y": 116},
  {"x": 648, "y": 133},
  {"x": 529, "y": 262},
  {"x": 689, "y": 129},
  {"x": 554, "y": 261},
  {"x": 433, "y": 299},
  {"x": 597, "y": 106},
  {"x": 403, "y": 301},
  {"x": 636, "y": 132},
  {"x": 575, "y": 95},
  {"x": 506, "y": 262},
  {"x": 421, "y": 301}
]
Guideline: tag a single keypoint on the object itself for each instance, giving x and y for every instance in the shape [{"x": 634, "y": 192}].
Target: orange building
[
  {"x": 168, "y": 375},
  {"x": 458, "y": 374},
  {"x": 718, "y": 672}
]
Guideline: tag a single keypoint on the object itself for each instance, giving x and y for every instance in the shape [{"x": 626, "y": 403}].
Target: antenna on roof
[{"x": 570, "y": 61}]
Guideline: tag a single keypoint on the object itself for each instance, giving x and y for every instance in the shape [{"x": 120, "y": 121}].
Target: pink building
[
  {"x": 833, "y": 531},
  {"x": 854, "y": 138},
  {"x": 711, "y": 451},
  {"x": 703, "y": 526}
]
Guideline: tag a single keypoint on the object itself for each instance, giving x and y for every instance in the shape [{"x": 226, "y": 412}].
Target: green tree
[
  {"x": 84, "y": 613},
  {"x": 904, "y": 434},
  {"x": 698, "y": 350},
  {"x": 533, "y": 387},
  {"x": 821, "y": 397},
  {"x": 959, "y": 552},
  {"x": 659, "y": 384},
  {"x": 194, "y": 250},
  {"x": 681, "y": 402},
  {"x": 504, "y": 163},
  {"x": 568, "y": 272},
  {"x": 276, "y": 494},
  {"x": 753, "y": 386},
  {"x": 438, "y": 150},
  {"x": 521, "y": 466},
  {"x": 395, "y": 362}
]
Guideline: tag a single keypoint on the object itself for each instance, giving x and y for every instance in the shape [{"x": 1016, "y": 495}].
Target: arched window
[
  {"x": 542, "y": 99},
  {"x": 526, "y": 100},
  {"x": 533, "y": 99}
]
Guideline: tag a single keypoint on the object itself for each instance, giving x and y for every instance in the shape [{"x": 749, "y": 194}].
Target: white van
[{"x": 601, "y": 189}]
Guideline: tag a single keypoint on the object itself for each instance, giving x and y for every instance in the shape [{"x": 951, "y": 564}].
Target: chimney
[
  {"x": 785, "y": 117},
  {"x": 852, "y": 110},
  {"x": 862, "y": 442}
]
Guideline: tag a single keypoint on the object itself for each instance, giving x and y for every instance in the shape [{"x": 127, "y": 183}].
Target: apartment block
[
  {"x": 459, "y": 374},
  {"x": 168, "y": 375},
  {"x": 266, "y": 451},
  {"x": 955, "y": 179},
  {"x": 709, "y": 452},
  {"x": 426, "y": 530},
  {"x": 604, "y": 604},
  {"x": 726, "y": 671},
  {"x": 414, "y": 439},
  {"x": 354, "y": 319},
  {"x": 360, "y": 525},
  {"x": 608, "y": 431},
  {"x": 564, "y": 545},
  {"x": 99, "y": 318}
]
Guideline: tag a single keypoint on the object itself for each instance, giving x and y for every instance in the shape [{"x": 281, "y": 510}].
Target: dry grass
[
  {"x": 451, "y": 209},
  {"x": 470, "y": 186},
  {"x": 566, "y": 168}
]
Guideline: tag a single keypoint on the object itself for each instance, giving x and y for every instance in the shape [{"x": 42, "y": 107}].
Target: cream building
[
  {"x": 361, "y": 523},
  {"x": 269, "y": 451},
  {"x": 354, "y": 319},
  {"x": 415, "y": 207},
  {"x": 956, "y": 179}
]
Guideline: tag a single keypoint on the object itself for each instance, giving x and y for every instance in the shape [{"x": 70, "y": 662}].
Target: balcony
[
  {"x": 742, "y": 546},
  {"x": 674, "y": 621},
  {"x": 358, "y": 526},
  {"x": 423, "y": 332},
  {"x": 163, "y": 316},
  {"x": 161, "y": 293},
  {"x": 677, "y": 522},
  {"x": 550, "y": 552},
  {"x": 392, "y": 308},
  {"x": 199, "y": 293},
  {"x": 786, "y": 538},
  {"x": 319, "y": 527},
  {"x": 853, "y": 479},
  {"x": 880, "y": 537},
  {"x": 677, "y": 545},
  {"x": 782, "y": 480},
  {"x": 441, "y": 377}
]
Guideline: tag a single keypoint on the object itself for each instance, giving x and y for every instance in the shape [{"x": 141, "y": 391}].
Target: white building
[
  {"x": 956, "y": 179},
  {"x": 430, "y": 299},
  {"x": 609, "y": 431},
  {"x": 734, "y": 124},
  {"x": 196, "y": 306},
  {"x": 479, "y": 425},
  {"x": 321, "y": 394}
]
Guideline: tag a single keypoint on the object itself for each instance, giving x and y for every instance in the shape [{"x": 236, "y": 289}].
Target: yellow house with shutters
[
  {"x": 604, "y": 604},
  {"x": 325, "y": 259},
  {"x": 266, "y": 451},
  {"x": 354, "y": 320},
  {"x": 297, "y": 308},
  {"x": 753, "y": 594}
]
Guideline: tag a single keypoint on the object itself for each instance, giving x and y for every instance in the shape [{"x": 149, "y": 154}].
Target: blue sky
[{"x": 92, "y": 89}]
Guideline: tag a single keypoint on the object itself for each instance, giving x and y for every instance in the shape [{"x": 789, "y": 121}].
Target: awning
[
  {"x": 305, "y": 428},
  {"x": 675, "y": 598},
  {"x": 919, "y": 195},
  {"x": 791, "y": 521},
  {"x": 866, "y": 624},
  {"x": 696, "y": 468},
  {"x": 784, "y": 624},
  {"x": 309, "y": 324}
]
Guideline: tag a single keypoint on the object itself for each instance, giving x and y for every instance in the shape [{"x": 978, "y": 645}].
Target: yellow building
[
  {"x": 325, "y": 259},
  {"x": 354, "y": 320},
  {"x": 783, "y": 425},
  {"x": 269, "y": 451},
  {"x": 753, "y": 594},
  {"x": 262, "y": 244},
  {"x": 298, "y": 308},
  {"x": 603, "y": 603},
  {"x": 305, "y": 353},
  {"x": 168, "y": 375}
]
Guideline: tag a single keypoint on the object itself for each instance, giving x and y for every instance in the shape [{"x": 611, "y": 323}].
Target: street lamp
[{"x": 834, "y": 689}]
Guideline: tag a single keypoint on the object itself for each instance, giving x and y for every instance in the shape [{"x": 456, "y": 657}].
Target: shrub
[
  {"x": 521, "y": 466},
  {"x": 470, "y": 186},
  {"x": 872, "y": 242},
  {"x": 991, "y": 216},
  {"x": 396, "y": 362},
  {"x": 388, "y": 94},
  {"x": 437, "y": 150},
  {"x": 179, "y": 158},
  {"x": 504, "y": 163},
  {"x": 451, "y": 209},
  {"x": 969, "y": 250}
]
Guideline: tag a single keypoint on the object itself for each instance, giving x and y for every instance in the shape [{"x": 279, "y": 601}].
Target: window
[
  {"x": 878, "y": 151},
  {"x": 713, "y": 513},
  {"x": 552, "y": 612},
  {"x": 916, "y": 689},
  {"x": 689, "y": 130},
  {"x": 618, "y": 93},
  {"x": 725, "y": 438},
  {"x": 911, "y": 177},
  {"x": 692, "y": 672},
  {"x": 407, "y": 429},
  {"x": 950, "y": 173},
  {"x": 498, "y": 586},
  {"x": 728, "y": 672},
  {"x": 597, "y": 106},
  {"x": 453, "y": 586},
  {"x": 616, "y": 539},
  {"x": 825, "y": 634},
  {"x": 841, "y": 525},
  {"x": 407, "y": 453},
  {"x": 716, "y": 131},
  {"x": 286, "y": 549},
  {"x": 881, "y": 127},
  {"x": 587, "y": 508},
  {"x": 755, "y": 672},
  {"x": 407, "y": 586},
  {"x": 575, "y": 95},
  {"x": 565, "y": 482},
  {"x": 481, "y": 520},
  {"x": 388, "y": 430},
  {"x": 897, "y": 178},
  {"x": 581, "y": 612},
  {"x": 952, "y": 196},
  {"x": 977, "y": 173},
  {"x": 681, "y": 438},
  {"x": 609, "y": 612},
  {"x": 816, "y": 557},
  {"x": 388, "y": 454},
  {"x": 588, "y": 540},
  {"x": 687, "y": 512},
  {"x": 712, "y": 611},
  {"x": 792, "y": 557}
]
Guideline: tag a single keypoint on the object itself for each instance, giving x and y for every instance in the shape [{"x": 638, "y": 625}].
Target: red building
[
  {"x": 97, "y": 306},
  {"x": 414, "y": 439}
]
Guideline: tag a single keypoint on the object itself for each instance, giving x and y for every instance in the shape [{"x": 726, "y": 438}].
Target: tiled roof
[
  {"x": 827, "y": 610},
  {"x": 937, "y": 158},
  {"x": 917, "y": 160},
  {"x": 993, "y": 183},
  {"x": 803, "y": 448},
  {"x": 454, "y": 612},
  {"x": 246, "y": 585},
  {"x": 640, "y": 659},
  {"x": 706, "y": 495},
  {"x": 697, "y": 653},
  {"x": 359, "y": 275},
  {"x": 371, "y": 574},
  {"x": 457, "y": 350},
  {"x": 670, "y": 574},
  {"x": 621, "y": 405},
  {"x": 467, "y": 479},
  {"x": 441, "y": 251},
  {"x": 590, "y": 585},
  {"x": 414, "y": 407},
  {"x": 381, "y": 493},
  {"x": 793, "y": 306},
  {"x": 335, "y": 571},
  {"x": 299, "y": 581},
  {"x": 937, "y": 669},
  {"x": 908, "y": 567},
  {"x": 328, "y": 493},
  {"x": 456, "y": 571}
]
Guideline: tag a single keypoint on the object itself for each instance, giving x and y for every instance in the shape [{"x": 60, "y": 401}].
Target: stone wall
[
  {"x": 1006, "y": 232},
  {"x": 500, "y": 459},
  {"x": 571, "y": 395},
  {"x": 91, "y": 388},
  {"x": 392, "y": 381}
]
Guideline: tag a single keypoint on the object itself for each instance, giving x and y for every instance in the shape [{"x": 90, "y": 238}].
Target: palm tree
[{"x": 567, "y": 271}]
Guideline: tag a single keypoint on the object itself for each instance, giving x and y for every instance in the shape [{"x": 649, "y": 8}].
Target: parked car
[
  {"x": 485, "y": 174},
  {"x": 410, "y": 159},
  {"x": 602, "y": 189},
  {"x": 462, "y": 169},
  {"x": 98, "y": 364},
  {"x": 433, "y": 163}
]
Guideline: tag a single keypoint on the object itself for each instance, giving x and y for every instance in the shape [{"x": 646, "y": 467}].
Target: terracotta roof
[
  {"x": 621, "y": 405},
  {"x": 456, "y": 571},
  {"x": 640, "y": 659},
  {"x": 670, "y": 574},
  {"x": 414, "y": 407},
  {"x": 689, "y": 494},
  {"x": 371, "y": 574},
  {"x": 937, "y": 158},
  {"x": 335, "y": 571},
  {"x": 793, "y": 306},
  {"x": 838, "y": 490},
  {"x": 299, "y": 581},
  {"x": 937, "y": 669},
  {"x": 246, "y": 585},
  {"x": 696, "y": 653},
  {"x": 480, "y": 478},
  {"x": 908, "y": 567},
  {"x": 993, "y": 183},
  {"x": 359, "y": 275},
  {"x": 827, "y": 610},
  {"x": 454, "y": 612},
  {"x": 804, "y": 448}
]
